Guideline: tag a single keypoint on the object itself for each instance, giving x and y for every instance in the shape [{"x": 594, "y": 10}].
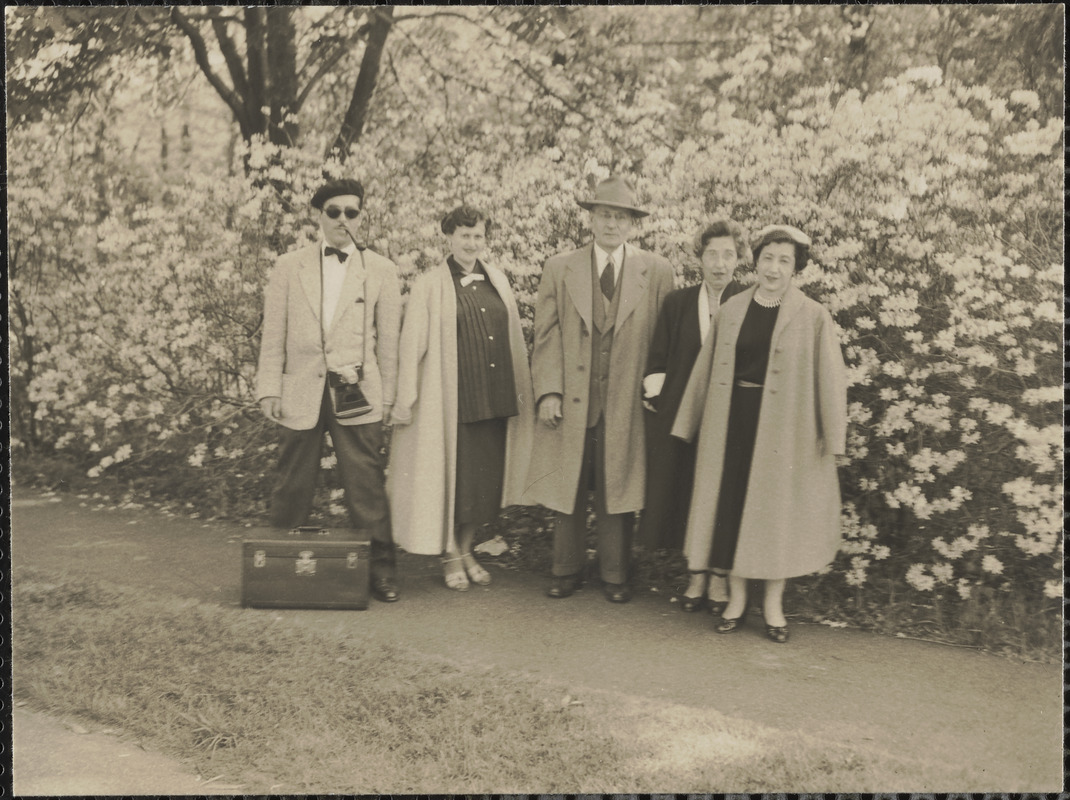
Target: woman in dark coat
[
  {"x": 683, "y": 324},
  {"x": 769, "y": 389}
]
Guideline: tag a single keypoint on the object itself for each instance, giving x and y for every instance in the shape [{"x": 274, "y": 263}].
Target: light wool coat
[
  {"x": 422, "y": 478},
  {"x": 562, "y": 363},
  {"x": 295, "y": 354},
  {"x": 791, "y": 519}
]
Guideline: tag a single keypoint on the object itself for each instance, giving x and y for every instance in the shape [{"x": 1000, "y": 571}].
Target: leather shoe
[
  {"x": 692, "y": 603},
  {"x": 717, "y": 607},
  {"x": 727, "y": 625},
  {"x": 563, "y": 585},
  {"x": 776, "y": 634},
  {"x": 616, "y": 592},
  {"x": 385, "y": 590}
]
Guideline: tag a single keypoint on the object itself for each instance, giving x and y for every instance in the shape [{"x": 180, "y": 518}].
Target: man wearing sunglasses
[{"x": 332, "y": 317}]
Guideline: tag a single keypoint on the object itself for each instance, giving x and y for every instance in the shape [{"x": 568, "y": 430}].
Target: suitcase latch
[
  {"x": 305, "y": 564},
  {"x": 259, "y": 558},
  {"x": 351, "y": 560}
]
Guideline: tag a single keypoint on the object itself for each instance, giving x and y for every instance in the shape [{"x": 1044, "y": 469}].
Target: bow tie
[
  {"x": 334, "y": 251},
  {"x": 471, "y": 276}
]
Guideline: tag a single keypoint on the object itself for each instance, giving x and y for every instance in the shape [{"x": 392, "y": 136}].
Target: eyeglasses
[
  {"x": 334, "y": 212},
  {"x": 620, "y": 217}
]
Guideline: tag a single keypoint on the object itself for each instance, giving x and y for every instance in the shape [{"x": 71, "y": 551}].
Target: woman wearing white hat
[{"x": 768, "y": 399}]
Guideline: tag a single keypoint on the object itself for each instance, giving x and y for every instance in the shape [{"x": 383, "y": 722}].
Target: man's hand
[
  {"x": 550, "y": 410},
  {"x": 271, "y": 407}
]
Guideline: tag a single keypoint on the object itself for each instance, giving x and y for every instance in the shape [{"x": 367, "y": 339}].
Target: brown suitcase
[{"x": 309, "y": 567}]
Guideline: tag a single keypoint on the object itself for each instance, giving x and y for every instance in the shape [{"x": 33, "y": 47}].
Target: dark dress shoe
[
  {"x": 776, "y": 634},
  {"x": 727, "y": 625},
  {"x": 563, "y": 585},
  {"x": 385, "y": 590},
  {"x": 692, "y": 603},
  {"x": 616, "y": 592},
  {"x": 717, "y": 607}
]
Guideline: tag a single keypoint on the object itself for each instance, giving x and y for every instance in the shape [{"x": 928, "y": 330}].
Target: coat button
[
  {"x": 581, "y": 368},
  {"x": 575, "y": 399}
]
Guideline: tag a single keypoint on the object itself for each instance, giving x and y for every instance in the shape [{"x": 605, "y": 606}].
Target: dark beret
[{"x": 336, "y": 188}]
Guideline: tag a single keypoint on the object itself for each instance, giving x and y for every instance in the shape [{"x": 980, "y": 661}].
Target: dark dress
[
  {"x": 670, "y": 461},
  {"x": 486, "y": 396},
  {"x": 752, "y": 357}
]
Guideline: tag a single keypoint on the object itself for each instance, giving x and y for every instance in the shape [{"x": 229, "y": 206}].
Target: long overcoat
[
  {"x": 295, "y": 353},
  {"x": 791, "y": 517},
  {"x": 561, "y": 364},
  {"x": 422, "y": 479},
  {"x": 670, "y": 463}
]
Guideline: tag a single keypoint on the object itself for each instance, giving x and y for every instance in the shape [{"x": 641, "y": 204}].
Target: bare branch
[
  {"x": 230, "y": 55},
  {"x": 200, "y": 54}
]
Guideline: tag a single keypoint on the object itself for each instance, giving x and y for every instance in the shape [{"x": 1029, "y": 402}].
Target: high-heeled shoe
[
  {"x": 456, "y": 579},
  {"x": 689, "y": 603},
  {"x": 715, "y": 606},
  {"x": 692, "y": 603},
  {"x": 732, "y": 625},
  {"x": 776, "y": 633},
  {"x": 475, "y": 571}
]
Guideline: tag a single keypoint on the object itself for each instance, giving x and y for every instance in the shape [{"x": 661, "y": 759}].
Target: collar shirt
[
  {"x": 334, "y": 275},
  {"x": 601, "y": 257},
  {"x": 706, "y": 308}
]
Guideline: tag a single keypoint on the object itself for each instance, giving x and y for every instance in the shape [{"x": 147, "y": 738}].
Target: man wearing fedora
[
  {"x": 594, "y": 318},
  {"x": 332, "y": 318}
]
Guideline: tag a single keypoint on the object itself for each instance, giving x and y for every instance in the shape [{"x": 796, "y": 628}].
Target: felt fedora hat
[{"x": 615, "y": 192}]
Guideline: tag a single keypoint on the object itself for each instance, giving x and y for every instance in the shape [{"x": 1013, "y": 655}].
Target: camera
[{"x": 347, "y": 397}]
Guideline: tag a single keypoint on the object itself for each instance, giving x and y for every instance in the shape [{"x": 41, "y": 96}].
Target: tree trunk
[
  {"x": 282, "y": 75},
  {"x": 357, "y": 113},
  {"x": 256, "y": 53}
]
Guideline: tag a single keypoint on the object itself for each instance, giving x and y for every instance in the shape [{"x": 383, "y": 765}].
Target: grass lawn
[{"x": 280, "y": 709}]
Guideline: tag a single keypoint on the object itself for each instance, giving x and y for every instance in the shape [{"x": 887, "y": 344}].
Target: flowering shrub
[{"x": 935, "y": 212}]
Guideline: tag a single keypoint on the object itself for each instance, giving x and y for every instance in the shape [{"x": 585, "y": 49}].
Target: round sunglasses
[{"x": 334, "y": 212}]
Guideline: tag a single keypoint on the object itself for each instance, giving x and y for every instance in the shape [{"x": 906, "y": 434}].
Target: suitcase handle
[{"x": 306, "y": 529}]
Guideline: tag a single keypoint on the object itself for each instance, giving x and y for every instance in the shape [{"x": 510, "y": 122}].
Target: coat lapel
[
  {"x": 789, "y": 307},
  {"x": 309, "y": 273},
  {"x": 633, "y": 283},
  {"x": 578, "y": 281}
]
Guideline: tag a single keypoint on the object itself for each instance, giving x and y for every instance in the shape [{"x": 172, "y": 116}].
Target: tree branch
[
  {"x": 200, "y": 54},
  {"x": 230, "y": 55},
  {"x": 356, "y": 114}
]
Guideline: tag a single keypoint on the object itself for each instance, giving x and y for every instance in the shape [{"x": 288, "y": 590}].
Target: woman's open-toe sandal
[
  {"x": 456, "y": 578},
  {"x": 475, "y": 571}
]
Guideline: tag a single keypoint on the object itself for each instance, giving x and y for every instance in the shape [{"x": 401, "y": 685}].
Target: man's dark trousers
[
  {"x": 360, "y": 468},
  {"x": 613, "y": 532}
]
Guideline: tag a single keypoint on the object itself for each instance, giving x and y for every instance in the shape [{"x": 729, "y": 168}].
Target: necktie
[
  {"x": 334, "y": 251},
  {"x": 607, "y": 279}
]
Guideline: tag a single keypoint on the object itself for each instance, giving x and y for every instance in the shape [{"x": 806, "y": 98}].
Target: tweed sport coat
[
  {"x": 295, "y": 354},
  {"x": 561, "y": 363}
]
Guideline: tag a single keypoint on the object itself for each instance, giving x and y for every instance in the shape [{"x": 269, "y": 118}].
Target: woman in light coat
[
  {"x": 463, "y": 415},
  {"x": 768, "y": 399}
]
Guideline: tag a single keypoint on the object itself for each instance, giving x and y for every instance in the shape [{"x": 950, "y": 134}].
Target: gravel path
[{"x": 971, "y": 713}]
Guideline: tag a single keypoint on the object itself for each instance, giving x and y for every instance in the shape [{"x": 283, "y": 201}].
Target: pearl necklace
[{"x": 767, "y": 303}]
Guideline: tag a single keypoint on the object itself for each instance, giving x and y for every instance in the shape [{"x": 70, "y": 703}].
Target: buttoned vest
[{"x": 604, "y": 313}]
